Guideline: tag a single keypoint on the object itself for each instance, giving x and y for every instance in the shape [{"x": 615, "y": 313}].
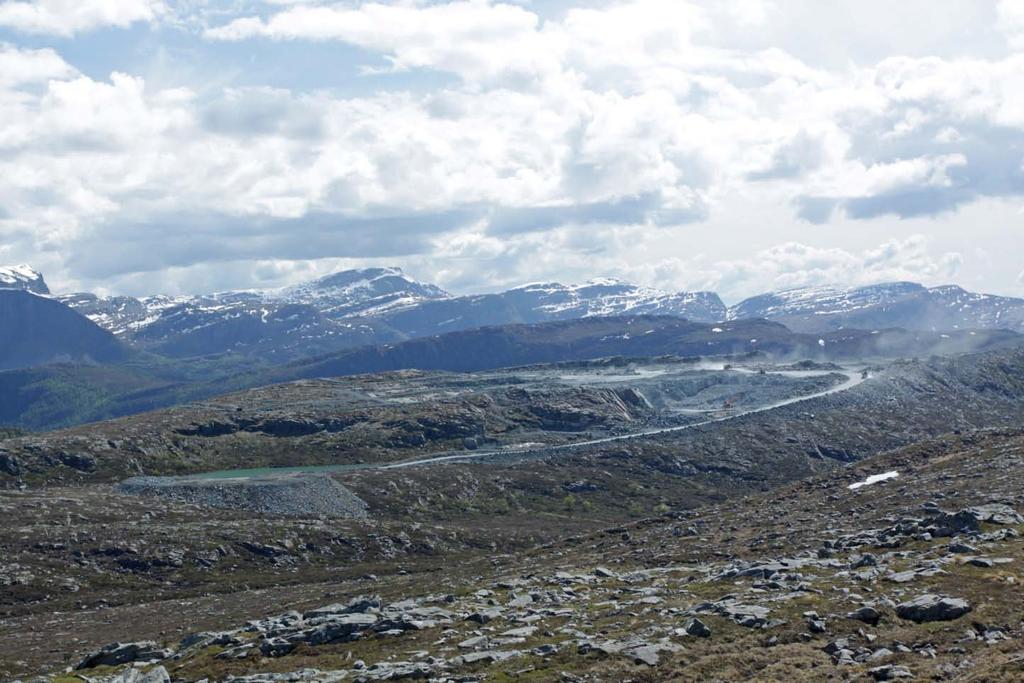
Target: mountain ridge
[{"x": 383, "y": 305}]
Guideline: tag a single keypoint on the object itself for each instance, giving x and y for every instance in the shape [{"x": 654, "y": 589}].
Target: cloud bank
[{"x": 612, "y": 139}]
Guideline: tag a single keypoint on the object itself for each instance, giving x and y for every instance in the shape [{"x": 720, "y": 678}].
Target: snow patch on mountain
[
  {"x": 608, "y": 296},
  {"x": 367, "y": 291},
  {"x": 23, "y": 277},
  {"x": 382, "y": 305},
  {"x": 895, "y": 304},
  {"x": 822, "y": 300}
]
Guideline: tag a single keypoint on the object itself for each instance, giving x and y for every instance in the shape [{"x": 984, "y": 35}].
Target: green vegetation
[{"x": 60, "y": 395}]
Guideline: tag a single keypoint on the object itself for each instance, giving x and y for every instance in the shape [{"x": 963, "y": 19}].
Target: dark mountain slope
[
  {"x": 64, "y": 395},
  {"x": 37, "y": 330},
  {"x": 635, "y": 336}
]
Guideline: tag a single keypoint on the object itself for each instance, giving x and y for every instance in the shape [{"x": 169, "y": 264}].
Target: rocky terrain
[
  {"x": 909, "y": 577},
  {"x": 620, "y": 553},
  {"x": 398, "y": 416},
  {"x": 657, "y": 518},
  {"x": 365, "y": 421}
]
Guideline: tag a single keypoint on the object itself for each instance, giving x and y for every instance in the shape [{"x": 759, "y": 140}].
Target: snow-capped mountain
[
  {"x": 545, "y": 302},
  {"x": 894, "y": 304},
  {"x": 613, "y": 297},
  {"x": 314, "y": 317},
  {"x": 365, "y": 306},
  {"x": 22, "y": 277},
  {"x": 384, "y": 305},
  {"x": 367, "y": 291}
]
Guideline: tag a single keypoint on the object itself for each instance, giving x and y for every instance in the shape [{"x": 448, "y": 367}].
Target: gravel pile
[{"x": 290, "y": 495}]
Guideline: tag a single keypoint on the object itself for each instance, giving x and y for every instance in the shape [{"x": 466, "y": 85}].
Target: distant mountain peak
[
  {"x": 23, "y": 277},
  {"x": 362, "y": 286},
  {"x": 362, "y": 277},
  {"x": 887, "y": 304}
]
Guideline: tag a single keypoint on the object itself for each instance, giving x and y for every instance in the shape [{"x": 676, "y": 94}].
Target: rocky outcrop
[{"x": 125, "y": 653}]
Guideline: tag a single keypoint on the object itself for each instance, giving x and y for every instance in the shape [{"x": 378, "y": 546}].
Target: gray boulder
[
  {"x": 157, "y": 674},
  {"x": 867, "y": 614},
  {"x": 995, "y": 513},
  {"x": 276, "y": 647},
  {"x": 698, "y": 628},
  {"x": 890, "y": 672},
  {"x": 125, "y": 653},
  {"x": 358, "y": 605},
  {"x": 344, "y": 627},
  {"x": 932, "y": 607},
  {"x": 485, "y": 615}
]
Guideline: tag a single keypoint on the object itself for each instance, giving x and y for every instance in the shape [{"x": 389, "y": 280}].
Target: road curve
[{"x": 853, "y": 378}]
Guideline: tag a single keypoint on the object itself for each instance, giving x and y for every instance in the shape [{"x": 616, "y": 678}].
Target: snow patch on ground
[{"x": 874, "y": 479}]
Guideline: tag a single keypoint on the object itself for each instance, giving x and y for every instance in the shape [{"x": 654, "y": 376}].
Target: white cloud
[
  {"x": 592, "y": 142},
  {"x": 20, "y": 67},
  {"x": 469, "y": 37},
  {"x": 794, "y": 264},
  {"x": 1011, "y": 21},
  {"x": 68, "y": 17}
]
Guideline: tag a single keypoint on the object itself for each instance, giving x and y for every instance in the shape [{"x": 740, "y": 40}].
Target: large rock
[
  {"x": 157, "y": 674},
  {"x": 698, "y": 628},
  {"x": 9, "y": 464},
  {"x": 867, "y": 614},
  {"x": 996, "y": 513},
  {"x": 125, "y": 653},
  {"x": 358, "y": 605},
  {"x": 933, "y": 608},
  {"x": 344, "y": 627}
]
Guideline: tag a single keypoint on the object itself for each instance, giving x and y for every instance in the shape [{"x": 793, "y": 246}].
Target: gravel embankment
[{"x": 292, "y": 495}]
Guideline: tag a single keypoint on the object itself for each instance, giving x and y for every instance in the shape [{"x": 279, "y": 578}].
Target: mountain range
[{"x": 373, "y": 306}]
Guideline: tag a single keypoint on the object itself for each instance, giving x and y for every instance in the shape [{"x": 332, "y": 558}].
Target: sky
[{"x": 739, "y": 146}]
